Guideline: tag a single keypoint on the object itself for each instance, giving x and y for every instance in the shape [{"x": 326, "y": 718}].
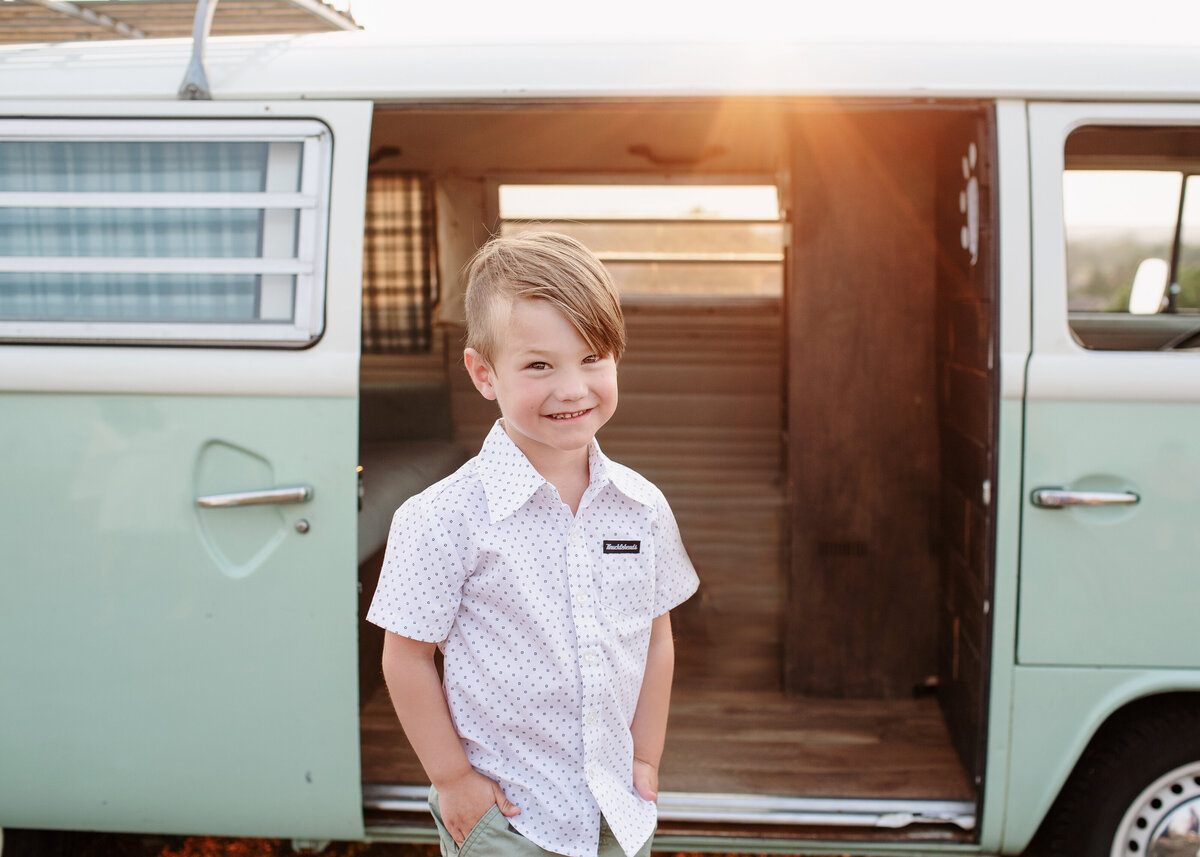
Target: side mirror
[{"x": 1149, "y": 287}]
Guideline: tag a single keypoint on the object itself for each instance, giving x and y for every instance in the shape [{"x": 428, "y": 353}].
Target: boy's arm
[
  {"x": 464, "y": 794},
  {"x": 649, "y": 725}
]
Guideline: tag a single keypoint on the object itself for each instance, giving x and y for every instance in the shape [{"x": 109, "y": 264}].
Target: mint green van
[{"x": 913, "y": 355}]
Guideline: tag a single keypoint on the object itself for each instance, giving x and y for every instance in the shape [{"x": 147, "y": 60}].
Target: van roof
[{"x": 363, "y": 65}]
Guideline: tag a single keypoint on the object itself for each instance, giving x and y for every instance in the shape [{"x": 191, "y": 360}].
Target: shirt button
[
  {"x": 590, "y": 720},
  {"x": 589, "y": 657},
  {"x": 573, "y": 536},
  {"x": 592, "y": 771}
]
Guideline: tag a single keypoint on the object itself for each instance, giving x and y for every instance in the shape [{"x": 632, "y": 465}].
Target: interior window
[
  {"x": 133, "y": 231},
  {"x": 664, "y": 240},
  {"x": 1131, "y": 205}
]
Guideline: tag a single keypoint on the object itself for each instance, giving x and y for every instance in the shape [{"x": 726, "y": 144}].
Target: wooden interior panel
[
  {"x": 967, "y": 391},
  {"x": 862, "y": 396},
  {"x": 722, "y": 136}
]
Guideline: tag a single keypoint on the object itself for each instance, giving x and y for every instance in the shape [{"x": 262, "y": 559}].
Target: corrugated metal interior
[{"x": 701, "y": 415}]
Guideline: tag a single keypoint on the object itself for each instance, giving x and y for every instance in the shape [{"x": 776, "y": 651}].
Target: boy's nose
[{"x": 571, "y": 387}]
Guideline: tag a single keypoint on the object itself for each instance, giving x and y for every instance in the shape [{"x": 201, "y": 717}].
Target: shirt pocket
[{"x": 627, "y": 584}]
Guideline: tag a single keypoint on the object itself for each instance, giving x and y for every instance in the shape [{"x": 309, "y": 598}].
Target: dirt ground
[
  {"x": 28, "y": 843},
  {"x": 25, "y": 843}
]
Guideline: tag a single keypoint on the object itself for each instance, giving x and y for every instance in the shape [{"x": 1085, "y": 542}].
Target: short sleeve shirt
[{"x": 544, "y": 620}]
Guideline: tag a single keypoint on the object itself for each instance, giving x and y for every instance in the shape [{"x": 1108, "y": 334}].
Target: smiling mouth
[{"x": 570, "y": 416}]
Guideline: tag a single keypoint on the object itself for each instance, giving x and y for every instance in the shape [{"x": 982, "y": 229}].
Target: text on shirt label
[{"x": 622, "y": 546}]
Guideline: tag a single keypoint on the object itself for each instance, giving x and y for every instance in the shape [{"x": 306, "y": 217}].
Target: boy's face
[{"x": 554, "y": 391}]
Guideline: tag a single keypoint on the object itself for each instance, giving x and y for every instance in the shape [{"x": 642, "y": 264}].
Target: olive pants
[{"x": 493, "y": 837}]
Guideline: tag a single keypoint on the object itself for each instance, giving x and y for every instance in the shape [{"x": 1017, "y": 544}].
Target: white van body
[{"x": 167, "y": 667}]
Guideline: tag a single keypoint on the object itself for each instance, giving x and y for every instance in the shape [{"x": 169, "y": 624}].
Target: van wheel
[{"x": 1134, "y": 794}]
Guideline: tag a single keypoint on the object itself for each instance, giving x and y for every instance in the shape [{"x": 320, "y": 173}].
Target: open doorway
[{"x": 741, "y": 321}]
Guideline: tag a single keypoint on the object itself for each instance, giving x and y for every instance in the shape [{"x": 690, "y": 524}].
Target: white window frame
[
  {"x": 308, "y": 265},
  {"x": 1060, "y": 369}
]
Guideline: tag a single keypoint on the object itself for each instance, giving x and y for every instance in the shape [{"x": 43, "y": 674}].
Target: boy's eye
[
  {"x": 592, "y": 358},
  {"x": 537, "y": 364}
]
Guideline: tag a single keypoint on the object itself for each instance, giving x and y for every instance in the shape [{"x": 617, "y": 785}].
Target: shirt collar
[
  {"x": 604, "y": 470},
  {"x": 509, "y": 480}
]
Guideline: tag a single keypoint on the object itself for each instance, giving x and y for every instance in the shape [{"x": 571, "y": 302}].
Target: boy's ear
[{"x": 480, "y": 372}]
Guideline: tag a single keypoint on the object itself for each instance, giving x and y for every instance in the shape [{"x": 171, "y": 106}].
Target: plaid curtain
[{"x": 399, "y": 270}]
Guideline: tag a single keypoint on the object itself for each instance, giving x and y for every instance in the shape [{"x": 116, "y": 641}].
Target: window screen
[{"x": 163, "y": 231}]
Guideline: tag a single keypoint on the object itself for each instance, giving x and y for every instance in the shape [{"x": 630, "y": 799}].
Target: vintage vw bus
[{"x": 929, "y": 419}]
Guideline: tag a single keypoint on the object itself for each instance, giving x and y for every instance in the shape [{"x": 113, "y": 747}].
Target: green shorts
[{"x": 492, "y": 836}]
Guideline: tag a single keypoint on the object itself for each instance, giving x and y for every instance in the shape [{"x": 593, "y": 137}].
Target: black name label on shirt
[{"x": 622, "y": 546}]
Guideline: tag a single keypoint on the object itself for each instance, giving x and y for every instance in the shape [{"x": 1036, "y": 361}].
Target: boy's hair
[{"x": 543, "y": 266}]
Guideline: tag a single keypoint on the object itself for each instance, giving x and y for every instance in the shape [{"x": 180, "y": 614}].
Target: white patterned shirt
[{"x": 544, "y": 620}]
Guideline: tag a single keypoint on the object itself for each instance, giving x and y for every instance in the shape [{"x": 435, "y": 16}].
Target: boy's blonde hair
[{"x": 543, "y": 266}]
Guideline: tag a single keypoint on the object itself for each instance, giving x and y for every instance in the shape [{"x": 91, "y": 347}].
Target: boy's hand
[
  {"x": 466, "y": 800},
  {"x": 645, "y": 779}
]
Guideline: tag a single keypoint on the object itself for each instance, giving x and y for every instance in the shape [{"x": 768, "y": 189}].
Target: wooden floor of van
[{"x": 761, "y": 742}]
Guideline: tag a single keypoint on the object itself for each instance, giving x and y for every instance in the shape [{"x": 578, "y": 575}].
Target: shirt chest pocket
[{"x": 627, "y": 583}]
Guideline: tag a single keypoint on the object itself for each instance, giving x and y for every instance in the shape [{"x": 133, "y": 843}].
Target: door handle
[
  {"x": 294, "y": 494},
  {"x": 1057, "y": 498}
]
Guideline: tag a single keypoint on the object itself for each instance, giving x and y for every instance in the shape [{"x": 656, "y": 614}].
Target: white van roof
[{"x": 362, "y": 65}]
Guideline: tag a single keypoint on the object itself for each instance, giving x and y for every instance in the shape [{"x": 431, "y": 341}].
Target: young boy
[{"x": 545, "y": 573}]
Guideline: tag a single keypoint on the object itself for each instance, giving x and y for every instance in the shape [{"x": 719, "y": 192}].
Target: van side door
[
  {"x": 179, "y": 325},
  {"x": 1112, "y": 456}
]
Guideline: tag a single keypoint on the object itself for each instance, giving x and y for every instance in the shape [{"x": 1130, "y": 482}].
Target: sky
[{"x": 1083, "y": 21}]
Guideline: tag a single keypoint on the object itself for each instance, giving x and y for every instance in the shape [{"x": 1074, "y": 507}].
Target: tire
[{"x": 1140, "y": 775}]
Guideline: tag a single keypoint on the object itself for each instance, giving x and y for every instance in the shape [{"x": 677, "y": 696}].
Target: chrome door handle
[
  {"x": 296, "y": 494},
  {"x": 1057, "y": 498}
]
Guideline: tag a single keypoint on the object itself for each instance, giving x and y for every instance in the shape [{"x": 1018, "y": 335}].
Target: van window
[
  {"x": 1131, "y": 205},
  {"x": 664, "y": 240},
  {"x": 161, "y": 231}
]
